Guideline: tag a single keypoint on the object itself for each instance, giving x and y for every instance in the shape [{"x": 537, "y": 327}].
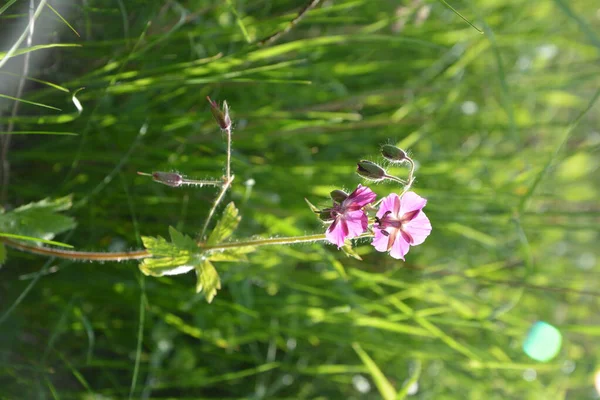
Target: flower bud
[
  {"x": 393, "y": 153},
  {"x": 325, "y": 215},
  {"x": 370, "y": 170},
  {"x": 221, "y": 116},
  {"x": 172, "y": 179},
  {"x": 338, "y": 195}
]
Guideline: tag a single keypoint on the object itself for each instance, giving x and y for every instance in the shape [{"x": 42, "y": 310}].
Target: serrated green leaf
[
  {"x": 40, "y": 219},
  {"x": 208, "y": 280},
  {"x": 2, "y": 254},
  {"x": 233, "y": 254},
  {"x": 226, "y": 225},
  {"x": 168, "y": 258},
  {"x": 182, "y": 241},
  {"x": 55, "y": 205}
]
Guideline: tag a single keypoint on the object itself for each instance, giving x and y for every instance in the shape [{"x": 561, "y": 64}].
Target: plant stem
[
  {"x": 141, "y": 254},
  {"x": 395, "y": 179},
  {"x": 411, "y": 177},
  {"x": 228, "y": 173},
  {"x": 216, "y": 203}
]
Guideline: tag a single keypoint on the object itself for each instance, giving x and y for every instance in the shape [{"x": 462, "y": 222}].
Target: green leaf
[
  {"x": 208, "y": 280},
  {"x": 169, "y": 258},
  {"x": 40, "y": 219},
  {"x": 233, "y": 254},
  {"x": 2, "y": 254},
  {"x": 182, "y": 241},
  {"x": 226, "y": 225}
]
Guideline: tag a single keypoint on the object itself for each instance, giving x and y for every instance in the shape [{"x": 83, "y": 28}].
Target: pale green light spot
[{"x": 543, "y": 342}]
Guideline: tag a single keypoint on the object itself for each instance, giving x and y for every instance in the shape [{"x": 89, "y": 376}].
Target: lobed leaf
[
  {"x": 233, "y": 254},
  {"x": 226, "y": 225},
  {"x": 208, "y": 280},
  {"x": 169, "y": 258},
  {"x": 39, "y": 219}
]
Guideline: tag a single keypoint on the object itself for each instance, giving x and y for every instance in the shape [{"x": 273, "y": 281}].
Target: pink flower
[
  {"x": 349, "y": 220},
  {"x": 401, "y": 223}
]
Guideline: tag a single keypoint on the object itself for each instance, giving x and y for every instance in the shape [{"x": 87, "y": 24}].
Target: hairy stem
[
  {"x": 141, "y": 254},
  {"x": 216, "y": 203},
  {"x": 228, "y": 173}
]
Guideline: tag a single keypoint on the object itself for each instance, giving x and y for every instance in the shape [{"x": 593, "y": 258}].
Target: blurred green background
[{"x": 503, "y": 125}]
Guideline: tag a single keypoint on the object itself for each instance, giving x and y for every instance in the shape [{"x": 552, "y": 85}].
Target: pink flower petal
[
  {"x": 388, "y": 204},
  {"x": 361, "y": 196},
  {"x": 410, "y": 202},
  {"x": 399, "y": 248},
  {"x": 357, "y": 222},
  {"x": 419, "y": 228},
  {"x": 337, "y": 232},
  {"x": 380, "y": 241}
]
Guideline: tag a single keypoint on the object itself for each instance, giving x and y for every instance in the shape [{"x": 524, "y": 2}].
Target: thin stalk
[
  {"x": 228, "y": 167},
  {"x": 75, "y": 255},
  {"x": 301, "y": 14},
  {"x": 395, "y": 179},
  {"x": 217, "y": 202},
  {"x": 411, "y": 177}
]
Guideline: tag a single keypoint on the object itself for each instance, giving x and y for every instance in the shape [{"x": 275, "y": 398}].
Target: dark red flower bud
[
  {"x": 221, "y": 116},
  {"x": 325, "y": 215},
  {"x": 172, "y": 179}
]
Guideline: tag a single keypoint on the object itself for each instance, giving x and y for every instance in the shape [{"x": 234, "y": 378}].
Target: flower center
[{"x": 388, "y": 220}]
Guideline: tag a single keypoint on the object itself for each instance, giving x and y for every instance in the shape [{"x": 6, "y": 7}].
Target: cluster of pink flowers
[{"x": 399, "y": 223}]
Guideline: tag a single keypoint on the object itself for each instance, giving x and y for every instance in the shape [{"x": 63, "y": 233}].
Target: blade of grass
[
  {"x": 239, "y": 21},
  {"x": 32, "y": 239},
  {"x": 53, "y": 85},
  {"x": 39, "y": 133},
  {"x": 386, "y": 390},
  {"x": 414, "y": 378},
  {"x": 567, "y": 134},
  {"x": 62, "y": 19},
  {"x": 8, "y": 4},
  {"x": 460, "y": 15},
  {"x": 29, "y": 102},
  {"x": 583, "y": 25}
]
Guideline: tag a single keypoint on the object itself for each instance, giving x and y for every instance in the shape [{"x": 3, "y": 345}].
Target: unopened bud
[
  {"x": 393, "y": 153},
  {"x": 221, "y": 116},
  {"x": 325, "y": 215},
  {"x": 172, "y": 179},
  {"x": 370, "y": 170},
  {"x": 338, "y": 195}
]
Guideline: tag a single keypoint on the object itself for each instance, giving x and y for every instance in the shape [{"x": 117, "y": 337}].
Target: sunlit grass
[{"x": 504, "y": 129}]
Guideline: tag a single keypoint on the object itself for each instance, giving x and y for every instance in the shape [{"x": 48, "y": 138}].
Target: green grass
[{"x": 512, "y": 195}]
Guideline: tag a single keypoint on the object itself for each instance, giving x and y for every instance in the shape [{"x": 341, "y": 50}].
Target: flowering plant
[
  {"x": 395, "y": 223},
  {"x": 399, "y": 222}
]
